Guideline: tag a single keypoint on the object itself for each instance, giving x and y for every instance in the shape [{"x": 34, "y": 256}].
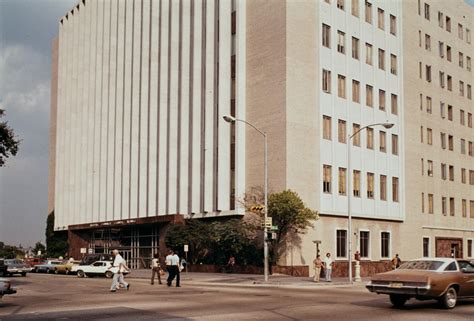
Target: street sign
[
  {"x": 274, "y": 228},
  {"x": 83, "y": 250},
  {"x": 186, "y": 248},
  {"x": 268, "y": 221},
  {"x": 91, "y": 251}
]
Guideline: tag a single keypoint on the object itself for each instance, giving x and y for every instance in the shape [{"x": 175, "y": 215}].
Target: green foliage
[
  {"x": 8, "y": 141},
  {"x": 10, "y": 251},
  {"x": 289, "y": 213},
  {"x": 214, "y": 242},
  {"x": 56, "y": 242},
  {"x": 39, "y": 247}
]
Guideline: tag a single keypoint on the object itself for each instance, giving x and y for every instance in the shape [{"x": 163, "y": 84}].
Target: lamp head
[
  {"x": 388, "y": 125},
  {"x": 229, "y": 119}
]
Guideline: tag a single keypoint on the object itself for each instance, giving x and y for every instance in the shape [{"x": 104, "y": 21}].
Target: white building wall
[
  {"x": 133, "y": 77},
  {"x": 334, "y": 153}
]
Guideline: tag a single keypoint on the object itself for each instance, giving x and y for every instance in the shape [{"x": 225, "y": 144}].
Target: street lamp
[
  {"x": 349, "y": 215},
  {"x": 232, "y": 120}
]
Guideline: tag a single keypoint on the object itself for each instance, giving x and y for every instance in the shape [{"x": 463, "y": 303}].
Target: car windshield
[{"x": 422, "y": 265}]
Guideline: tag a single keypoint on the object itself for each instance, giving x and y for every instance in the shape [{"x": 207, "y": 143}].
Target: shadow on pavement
[{"x": 412, "y": 304}]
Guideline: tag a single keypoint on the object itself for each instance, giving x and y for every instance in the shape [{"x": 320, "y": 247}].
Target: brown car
[{"x": 442, "y": 279}]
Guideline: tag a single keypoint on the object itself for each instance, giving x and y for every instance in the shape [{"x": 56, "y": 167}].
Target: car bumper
[
  {"x": 8, "y": 291},
  {"x": 405, "y": 289}
]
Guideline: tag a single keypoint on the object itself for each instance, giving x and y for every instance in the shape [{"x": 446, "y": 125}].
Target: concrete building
[{"x": 140, "y": 143}]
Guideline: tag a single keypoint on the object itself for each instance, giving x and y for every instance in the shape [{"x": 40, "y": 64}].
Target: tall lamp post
[
  {"x": 349, "y": 214},
  {"x": 232, "y": 120}
]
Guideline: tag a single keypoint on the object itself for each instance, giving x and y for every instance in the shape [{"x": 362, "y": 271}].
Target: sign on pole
[
  {"x": 186, "y": 248},
  {"x": 83, "y": 250}
]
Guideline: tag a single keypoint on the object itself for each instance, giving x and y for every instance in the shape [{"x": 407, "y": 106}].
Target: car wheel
[
  {"x": 56, "y": 272},
  {"x": 67, "y": 272},
  {"x": 109, "y": 274},
  {"x": 80, "y": 273},
  {"x": 23, "y": 274},
  {"x": 398, "y": 301},
  {"x": 449, "y": 298}
]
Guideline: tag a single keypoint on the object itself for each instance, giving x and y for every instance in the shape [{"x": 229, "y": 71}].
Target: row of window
[
  {"x": 356, "y": 184},
  {"x": 364, "y": 244},
  {"x": 341, "y": 4},
  {"x": 445, "y": 171},
  {"x": 444, "y": 21},
  {"x": 449, "y": 140},
  {"x": 445, "y": 81},
  {"x": 341, "y": 48},
  {"x": 343, "y": 136},
  {"x": 356, "y": 92},
  {"x": 444, "y": 205},
  {"x": 443, "y": 111},
  {"x": 445, "y": 53}
]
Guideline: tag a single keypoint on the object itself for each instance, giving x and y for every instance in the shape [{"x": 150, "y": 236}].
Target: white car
[
  {"x": 5, "y": 287},
  {"x": 97, "y": 268}
]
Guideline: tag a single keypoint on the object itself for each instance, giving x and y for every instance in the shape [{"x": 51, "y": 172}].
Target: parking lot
[{"x": 61, "y": 297}]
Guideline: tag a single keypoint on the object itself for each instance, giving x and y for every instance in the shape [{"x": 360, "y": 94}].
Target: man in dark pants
[{"x": 172, "y": 265}]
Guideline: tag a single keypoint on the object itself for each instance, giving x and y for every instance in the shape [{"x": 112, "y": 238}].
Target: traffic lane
[{"x": 51, "y": 297}]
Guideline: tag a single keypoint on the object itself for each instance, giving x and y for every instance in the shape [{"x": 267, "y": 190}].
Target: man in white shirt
[
  {"x": 328, "y": 266},
  {"x": 118, "y": 267},
  {"x": 172, "y": 265}
]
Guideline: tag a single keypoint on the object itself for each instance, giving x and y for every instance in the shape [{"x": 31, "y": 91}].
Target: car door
[
  {"x": 101, "y": 269},
  {"x": 467, "y": 279}
]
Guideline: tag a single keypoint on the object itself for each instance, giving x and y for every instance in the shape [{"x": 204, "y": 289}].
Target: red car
[{"x": 33, "y": 261}]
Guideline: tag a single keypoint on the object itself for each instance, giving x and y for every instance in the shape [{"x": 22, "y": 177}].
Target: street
[{"x": 56, "y": 297}]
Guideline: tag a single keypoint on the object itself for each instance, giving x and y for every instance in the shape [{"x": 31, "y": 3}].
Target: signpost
[{"x": 186, "y": 250}]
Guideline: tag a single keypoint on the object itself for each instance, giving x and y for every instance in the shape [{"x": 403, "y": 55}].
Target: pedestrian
[
  {"x": 119, "y": 266},
  {"x": 396, "y": 261},
  {"x": 172, "y": 265},
  {"x": 231, "y": 264},
  {"x": 155, "y": 268},
  {"x": 317, "y": 263},
  {"x": 328, "y": 266}
]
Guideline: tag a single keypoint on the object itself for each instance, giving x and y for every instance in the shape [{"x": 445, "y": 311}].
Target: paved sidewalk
[{"x": 246, "y": 280}]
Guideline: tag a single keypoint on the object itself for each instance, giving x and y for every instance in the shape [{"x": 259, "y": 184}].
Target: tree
[
  {"x": 291, "y": 216},
  {"x": 10, "y": 251},
  {"x": 39, "y": 247},
  {"x": 213, "y": 242},
  {"x": 56, "y": 242},
  {"x": 8, "y": 141}
]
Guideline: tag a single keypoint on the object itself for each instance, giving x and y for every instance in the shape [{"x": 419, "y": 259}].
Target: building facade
[{"x": 140, "y": 142}]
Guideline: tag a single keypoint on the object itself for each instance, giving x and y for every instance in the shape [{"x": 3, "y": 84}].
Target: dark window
[
  {"x": 426, "y": 247},
  {"x": 364, "y": 244},
  {"x": 451, "y": 267},
  {"x": 385, "y": 244},
  {"x": 341, "y": 240}
]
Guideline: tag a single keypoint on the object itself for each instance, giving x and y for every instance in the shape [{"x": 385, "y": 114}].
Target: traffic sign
[{"x": 186, "y": 248}]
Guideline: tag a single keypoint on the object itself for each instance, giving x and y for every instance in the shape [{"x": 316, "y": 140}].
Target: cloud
[{"x": 25, "y": 95}]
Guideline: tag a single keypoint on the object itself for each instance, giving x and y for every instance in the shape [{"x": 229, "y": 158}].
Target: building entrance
[{"x": 137, "y": 244}]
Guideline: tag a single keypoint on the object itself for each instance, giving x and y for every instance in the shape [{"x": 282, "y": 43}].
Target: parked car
[
  {"x": 17, "y": 267},
  {"x": 442, "y": 279},
  {"x": 99, "y": 268},
  {"x": 33, "y": 261},
  {"x": 65, "y": 267},
  {"x": 3, "y": 268},
  {"x": 91, "y": 258},
  {"x": 5, "y": 287},
  {"x": 48, "y": 267}
]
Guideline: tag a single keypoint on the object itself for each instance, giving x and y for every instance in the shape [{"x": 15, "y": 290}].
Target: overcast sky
[{"x": 27, "y": 28}]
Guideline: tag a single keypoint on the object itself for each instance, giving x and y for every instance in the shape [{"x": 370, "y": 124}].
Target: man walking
[
  {"x": 317, "y": 263},
  {"x": 396, "y": 262},
  {"x": 155, "y": 268},
  {"x": 172, "y": 265},
  {"x": 328, "y": 266},
  {"x": 119, "y": 266}
]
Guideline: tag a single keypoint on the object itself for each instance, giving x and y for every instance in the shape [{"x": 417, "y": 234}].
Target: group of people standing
[
  {"x": 325, "y": 265},
  {"x": 174, "y": 266}
]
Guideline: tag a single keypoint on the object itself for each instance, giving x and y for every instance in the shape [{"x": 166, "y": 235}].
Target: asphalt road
[{"x": 53, "y": 297}]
